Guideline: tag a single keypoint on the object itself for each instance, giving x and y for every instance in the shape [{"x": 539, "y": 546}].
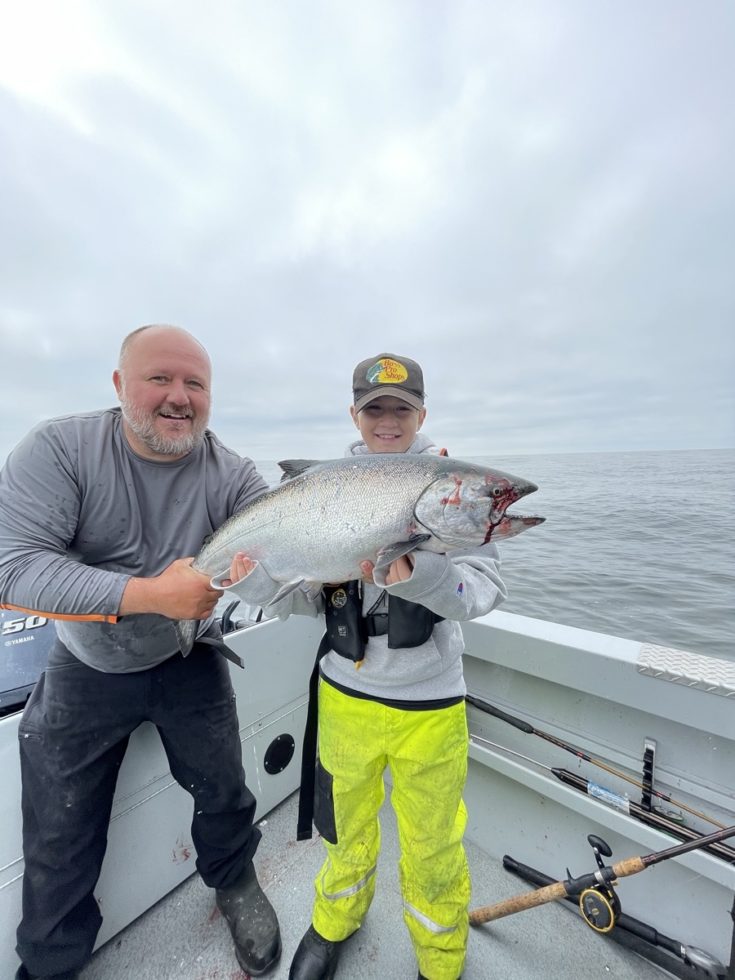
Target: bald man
[{"x": 98, "y": 512}]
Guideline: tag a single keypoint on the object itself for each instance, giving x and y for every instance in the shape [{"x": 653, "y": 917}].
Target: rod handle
[
  {"x": 489, "y": 913},
  {"x": 630, "y": 866},
  {"x": 559, "y": 889},
  {"x": 492, "y": 710}
]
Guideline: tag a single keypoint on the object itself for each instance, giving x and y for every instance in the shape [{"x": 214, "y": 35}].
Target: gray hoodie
[{"x": 459, "y": 585}]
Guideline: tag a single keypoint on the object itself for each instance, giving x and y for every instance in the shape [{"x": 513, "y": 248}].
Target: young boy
[{"x": 403, "y": 709}]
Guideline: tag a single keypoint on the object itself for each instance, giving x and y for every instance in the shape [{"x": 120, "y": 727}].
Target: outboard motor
[{"x": 25, "y": 643}]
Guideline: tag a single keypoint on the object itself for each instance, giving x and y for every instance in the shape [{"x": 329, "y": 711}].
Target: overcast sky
[{"x": 534, "y": 199}]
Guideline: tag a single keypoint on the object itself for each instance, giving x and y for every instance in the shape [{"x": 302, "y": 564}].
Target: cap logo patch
[{"x": 386, "y": 371}]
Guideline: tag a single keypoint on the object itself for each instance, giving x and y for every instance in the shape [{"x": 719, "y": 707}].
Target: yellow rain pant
[{"x": 427, "y": 755}]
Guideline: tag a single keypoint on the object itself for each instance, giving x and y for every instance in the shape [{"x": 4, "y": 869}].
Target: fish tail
[{"x": 186, "y": 631}]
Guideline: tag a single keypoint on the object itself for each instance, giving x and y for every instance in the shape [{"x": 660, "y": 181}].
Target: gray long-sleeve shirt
[{"x": 80, "y": 513}]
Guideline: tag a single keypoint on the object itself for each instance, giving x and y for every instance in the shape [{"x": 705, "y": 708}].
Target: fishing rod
[
  {"x": 603, "y": 877},
  {"x": 617, "y": 802},
  {"x": 528, "y": 729},
  {"x": 699, "y": 959}
]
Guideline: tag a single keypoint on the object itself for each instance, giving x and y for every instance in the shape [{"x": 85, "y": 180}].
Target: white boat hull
[
  {"x": 597, "y": 692},
  {"x": 591, "y": 691}
]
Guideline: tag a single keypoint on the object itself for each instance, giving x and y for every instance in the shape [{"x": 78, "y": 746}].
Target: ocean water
[{"x": 639, "y": 545}]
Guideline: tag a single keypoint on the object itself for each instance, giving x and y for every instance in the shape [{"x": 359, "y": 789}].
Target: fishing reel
[{"x": 599, "y": 904}]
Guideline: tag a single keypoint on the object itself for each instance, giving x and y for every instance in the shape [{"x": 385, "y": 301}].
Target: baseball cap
[{"x": 388, "y": 374}]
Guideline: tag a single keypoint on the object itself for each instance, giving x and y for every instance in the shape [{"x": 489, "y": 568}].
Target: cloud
[{"x": 536, "y": 202}]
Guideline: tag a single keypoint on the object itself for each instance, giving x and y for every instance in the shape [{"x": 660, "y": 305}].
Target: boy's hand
[
  {"x": 240, "y": 567},
  {"x": 400, "y": 570}
]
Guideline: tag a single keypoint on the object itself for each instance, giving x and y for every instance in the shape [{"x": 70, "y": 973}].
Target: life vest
[{"x": 406, "y": 623}]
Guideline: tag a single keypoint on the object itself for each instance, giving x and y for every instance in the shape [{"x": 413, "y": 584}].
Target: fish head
[{"x": 466, "y": 507}]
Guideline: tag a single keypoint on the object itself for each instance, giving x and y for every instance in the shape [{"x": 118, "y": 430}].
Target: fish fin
[
  {"x": 217, "y": 643},
  {"x": 391, "y": 552},
  {"x": 233, "y": 657},
  {"x": 186, "y": 632},
  {"x": 287, "y": 589},
  {"x": 295, "y": 467},
  {"x": 311, "y": 590}
]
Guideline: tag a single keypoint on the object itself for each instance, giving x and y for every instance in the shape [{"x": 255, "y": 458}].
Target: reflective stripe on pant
[{"x": 427, "y": 755}]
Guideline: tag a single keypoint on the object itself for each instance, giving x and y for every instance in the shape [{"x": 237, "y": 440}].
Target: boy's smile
[{"x": 388, "y": 424}]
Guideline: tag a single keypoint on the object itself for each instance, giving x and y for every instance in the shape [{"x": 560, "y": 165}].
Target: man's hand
[{"x": 179, "y": 592}]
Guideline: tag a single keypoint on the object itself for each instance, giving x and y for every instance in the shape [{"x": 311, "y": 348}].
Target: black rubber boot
[
  {"x": 253, "y": 923},
  {"x": 422, "y": 977},
  {"x": 23, "y": 974},
  {"x": 316, "y": 957}
]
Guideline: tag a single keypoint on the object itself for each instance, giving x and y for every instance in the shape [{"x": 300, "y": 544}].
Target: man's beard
[{"x": 143, "y": 425}]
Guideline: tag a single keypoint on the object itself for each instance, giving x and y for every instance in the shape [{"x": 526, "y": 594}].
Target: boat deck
[
  {"x": 587, "y": 689},
  {"x": 184, "y": 937}
]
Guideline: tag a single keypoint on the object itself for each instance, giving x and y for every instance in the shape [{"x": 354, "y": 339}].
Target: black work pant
[{"x": 73, "y": 737}]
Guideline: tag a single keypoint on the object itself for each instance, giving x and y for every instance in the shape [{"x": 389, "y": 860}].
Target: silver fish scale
[{"x": 320, "y": 525}]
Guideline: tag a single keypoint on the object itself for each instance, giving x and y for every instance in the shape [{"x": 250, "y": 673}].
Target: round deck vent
[{"x": 278, "y": 754}]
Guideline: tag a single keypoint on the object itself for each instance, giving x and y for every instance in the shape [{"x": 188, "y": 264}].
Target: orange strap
[{"x": 91, "y": 618}]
